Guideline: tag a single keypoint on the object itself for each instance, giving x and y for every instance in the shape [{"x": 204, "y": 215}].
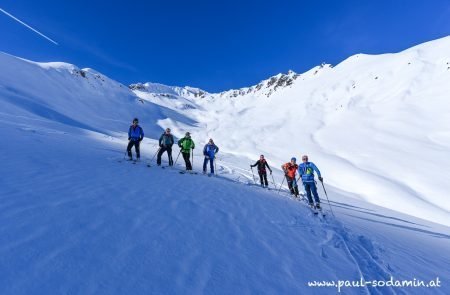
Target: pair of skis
[
  {"x": 314, "y": 209},
  {"x": 188, "y": 172},
  {"x": 134, "y": 161}
]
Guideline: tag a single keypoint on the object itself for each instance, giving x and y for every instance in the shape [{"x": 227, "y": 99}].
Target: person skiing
[
  {"x": 166, "y": 142},
  {"x": 209, "y": 151},
  {"x": 135, "y": 136},
  {"x": 290, "y": 170},
  {"x": 186, "y": 144},
  {"x": 306, "y": 171},
  {"x": 262, "y": 164}
]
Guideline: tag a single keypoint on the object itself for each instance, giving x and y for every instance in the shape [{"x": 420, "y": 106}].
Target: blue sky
[{"x": 215, "y": 45}]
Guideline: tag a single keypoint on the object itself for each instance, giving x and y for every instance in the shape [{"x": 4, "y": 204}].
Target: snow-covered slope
[
  {"x": 75, "y": 218},
  {"x": 376, "y": 125},
  {"x": 77, "y": 97}
]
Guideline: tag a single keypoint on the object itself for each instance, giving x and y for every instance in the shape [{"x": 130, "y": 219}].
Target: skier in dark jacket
[
  {"x": 166, "y": 142},
  {"x": 209, "y": 151},
  {"x": 186, "y": 144},
  {"x": 135, "y": 136},
  {"x": 262, "y": 164},
  {"x": 306, "y": 171}
]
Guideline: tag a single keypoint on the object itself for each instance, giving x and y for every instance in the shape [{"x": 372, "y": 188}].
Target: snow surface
[{"x": 76, "y": 218}]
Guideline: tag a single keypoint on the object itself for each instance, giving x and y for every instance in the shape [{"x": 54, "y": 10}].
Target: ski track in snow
[{"x": 360, "y": 249}]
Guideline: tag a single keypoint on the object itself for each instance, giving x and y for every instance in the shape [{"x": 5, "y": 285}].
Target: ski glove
[
  {"x": 270, "y": 172},
  {"x": 321, "y": 178}
]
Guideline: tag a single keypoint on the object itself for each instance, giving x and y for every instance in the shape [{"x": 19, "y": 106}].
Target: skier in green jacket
[{"x": 186, "y": 144}]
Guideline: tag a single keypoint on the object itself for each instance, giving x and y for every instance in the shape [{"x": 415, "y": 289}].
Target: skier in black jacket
[
  {"x": 166, "y": 142},
  {"x": 262, "y": 164}
]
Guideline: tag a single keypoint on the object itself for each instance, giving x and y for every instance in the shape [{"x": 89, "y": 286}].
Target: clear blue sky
[{"x": 215, "y": 45}]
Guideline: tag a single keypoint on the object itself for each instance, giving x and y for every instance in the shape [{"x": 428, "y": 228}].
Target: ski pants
[
  {"x": 136, "y": 147},
  {"x": 211, "y": 164},
  {"x": 169, "y": 154},
  {"x": 311, "y": 187},
  {"x": 186, "y": 157},
  {"x": 263, "y": 178},
  {"x": 292, "y": 184}
]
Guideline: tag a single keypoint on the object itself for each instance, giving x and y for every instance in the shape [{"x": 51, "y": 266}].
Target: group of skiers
[
  {"x": 166, "y": 141},
  {"x": 290, "y": 169}
]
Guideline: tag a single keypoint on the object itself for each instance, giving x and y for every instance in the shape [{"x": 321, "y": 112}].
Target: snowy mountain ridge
[{"x": 266, "y": 87}]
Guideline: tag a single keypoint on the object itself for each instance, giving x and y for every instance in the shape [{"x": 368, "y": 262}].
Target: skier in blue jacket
[
  {"x": 135, "y": 136},
  {"x": 209, "y": 151},
  {"x": 306, "y": 171}
]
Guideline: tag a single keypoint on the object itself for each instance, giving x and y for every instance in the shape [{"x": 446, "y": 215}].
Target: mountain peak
[{"x": 265, "y": 87}]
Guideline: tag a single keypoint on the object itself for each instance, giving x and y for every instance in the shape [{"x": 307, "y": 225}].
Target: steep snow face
[{"x": 377, "y": 126}]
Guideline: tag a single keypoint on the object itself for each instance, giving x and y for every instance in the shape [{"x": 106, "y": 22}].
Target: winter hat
[{"x": 294, "y": 159}]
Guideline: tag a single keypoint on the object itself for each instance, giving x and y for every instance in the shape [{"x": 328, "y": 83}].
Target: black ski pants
[
  {"x": 134, "y": 143},
  {"x": 169, "y": 154},
  {"x": 292, "y": 184},
  {"x": 263, "y": 178},
  {"x": 187, "y": 160}
]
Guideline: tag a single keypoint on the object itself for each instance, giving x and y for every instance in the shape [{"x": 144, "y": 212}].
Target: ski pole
[
  {"x": 155, "y": 155},
  {"x": 327, "y": 198},
  {"x": 273, "y": 180},
  {"x": 281, "y": 185},
  {"x": 177, "y": 158},
  {"x": 253, "y": 175},
  {"x": 192, "y": 164},
  {"x": 215, "y": 167}
]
